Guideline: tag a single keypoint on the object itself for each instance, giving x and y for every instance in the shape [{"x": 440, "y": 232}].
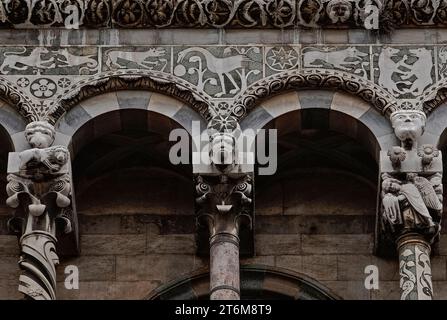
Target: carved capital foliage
[
  {"x": 224, "y": 205},
  {"x": 221, "y": 13},
  {"x": 131, "y": 80},
  {"x": 40, "y": 190},
  {"x": 383, "y": 101}
]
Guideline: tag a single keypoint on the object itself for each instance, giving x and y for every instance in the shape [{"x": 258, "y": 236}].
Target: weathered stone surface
[
  {"x": 113, "y": 244},
  {"x": 277, "y": 244},
  {"x": 155, "y": 267},
  {"x": 291, "y": 262},
  {"x": 333, "y": 244},
  {"x": 388, "y": 290},
  {"x": 9, "y": 268},
  {"x": 91, "y": 268},
  {"x": 349, "y": 290},
  {"x": 9, "y": 245},
  {"x": 320, "y": 267},
  {"x": 101, "y": 290},
  {"x": 172, "y": 243},
  {"x": 352, "y": 267}
]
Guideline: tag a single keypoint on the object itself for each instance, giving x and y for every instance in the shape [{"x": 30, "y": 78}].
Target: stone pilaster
[
  {"x": 40, "y": 190},
  {"x": 411, "y": 203}
]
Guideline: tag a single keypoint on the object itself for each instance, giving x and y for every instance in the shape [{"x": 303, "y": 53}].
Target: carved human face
[
  {"x": 408, "y": 125},
  {"x": 339, "y": 10},
  {"x": 222, "y": 149},
  {"x": 39, "y": 134}
]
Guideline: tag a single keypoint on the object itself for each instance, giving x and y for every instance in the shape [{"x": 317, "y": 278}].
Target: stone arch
[
  {"x": 286, "y": 81},
  {"x": 257, "y": 281},
  {"x": 18, "y": 100},
  {"x": 348, "y": 114},
  {"x": 433, "y": 97},
  {"x": 119, "y": 101},
  {"x": 158, "y": 82}
]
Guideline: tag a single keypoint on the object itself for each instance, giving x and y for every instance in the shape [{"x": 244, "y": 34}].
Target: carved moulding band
[
  {"x": 433, "y": 97},
  {"x": 264, "y": 89},
  {"x": 222, "y": 13},
  {"x": 131, "y": 80},
  {"x": 17, "y": 100}
]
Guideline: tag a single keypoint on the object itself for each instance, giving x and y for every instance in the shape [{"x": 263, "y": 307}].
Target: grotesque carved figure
[
  {"x": 413, "y": 203},
  {"x": 408, "y": 126},
  {"x": 223, "y": 153},
  {"x": 223, "y": 132},
  {"x": 39, "y": 188},
  {"x": 339, "y": 11},
  {"x": 40, "y": 134}
]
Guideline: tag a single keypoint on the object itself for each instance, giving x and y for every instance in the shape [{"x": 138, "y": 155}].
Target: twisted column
[{"x": 39, "y": 189}]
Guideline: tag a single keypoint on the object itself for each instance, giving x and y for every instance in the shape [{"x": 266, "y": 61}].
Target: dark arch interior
[
  {"x": 122, "y": 166},
  {"x": 326, "y": 179}
]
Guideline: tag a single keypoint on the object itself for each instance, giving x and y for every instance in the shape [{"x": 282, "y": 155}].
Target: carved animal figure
[
  {"x": 421, "y": 69},
  {"x": 136, "y": 57},
  {"x": 14, "y": 59},
  {"x": 387, "y": 67},
  {"x": 219, "y": 66},
  {"x": 72, "y": 60},
  {"x": 349, "y": 59}
]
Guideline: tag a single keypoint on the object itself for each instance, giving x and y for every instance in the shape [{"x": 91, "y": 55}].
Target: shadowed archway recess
[{"x": 258, "y": 282}]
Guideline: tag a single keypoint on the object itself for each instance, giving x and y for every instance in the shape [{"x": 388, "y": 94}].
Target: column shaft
[
  {"x": 224, "y": 267},
  {"x": 414, "y": 268}
]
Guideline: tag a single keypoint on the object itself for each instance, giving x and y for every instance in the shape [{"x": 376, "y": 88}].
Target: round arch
[
  {"x": 104, "y": 113},
  {"x": 257, "y": 282},
  {"x": 131, "y": 80},
  {"x": 327, "y": 79},
  {"x": 328, "y": 109}
]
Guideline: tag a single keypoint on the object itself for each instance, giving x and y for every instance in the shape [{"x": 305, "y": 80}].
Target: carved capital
[
  {"x": 410, "y": 191},
  {"x": 224, "y": 206},
  {"x": 40, "y": 190}
]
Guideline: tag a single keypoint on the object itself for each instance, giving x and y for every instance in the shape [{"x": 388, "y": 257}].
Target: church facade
[{"x": 196, "y": 149}]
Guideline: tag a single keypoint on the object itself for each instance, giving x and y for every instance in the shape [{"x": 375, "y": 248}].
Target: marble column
[
  {"x": 40, "y": 192},
  {"x": 414, "y": 267}
]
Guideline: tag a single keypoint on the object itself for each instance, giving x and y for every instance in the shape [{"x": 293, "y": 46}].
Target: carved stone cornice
[
  {"x": 266, "y": 88},
  {"x": 434, "y": 96},
  {"x": 220, "y": 13},
  {"x": 131, "y": 80}
]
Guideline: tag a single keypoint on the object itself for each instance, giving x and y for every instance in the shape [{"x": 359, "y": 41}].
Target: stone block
[
  {"x": 9, "y": 245},
  {"x": 91, "y": 268},
  {"x": 277, "y": 244},
  {"x": 320, "y": 267},
  {"x": 348, "y": 290},
  {"x": 133, "y": 99},
  {"x": 171, "y": 243},
  {"x": 155, "y": 267},
  {"x": 388, "y": 290},
  {"x": 338, "y": 244},
  {"x": 281, "y": 104},
  {"x": 352, "y": 267},
  {"x": 294, "y": 263},
  {"x": 9, "y": 268},
  {"x": 113, "y": 244},
  {"x": 108, "y": 290}
]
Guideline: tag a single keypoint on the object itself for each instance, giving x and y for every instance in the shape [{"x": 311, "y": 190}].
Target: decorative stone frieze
[
  {"x": 221, "y": 13},
  {"x": 40, "y": 190}
]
